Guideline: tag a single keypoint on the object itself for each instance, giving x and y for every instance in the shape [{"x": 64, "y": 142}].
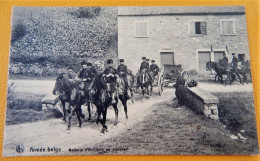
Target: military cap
[
  {"x": 121, "y": 60},
  {"x": 89, "y": 64},
  {"x": 153, "y": 60},
  {"x": 147, "y": 59},
  {"x": 233, "y": 54},
  {"x": 109, "y": 61},
  {"x": 83, "y": 62},
  {"x": 143, "y": 57}
]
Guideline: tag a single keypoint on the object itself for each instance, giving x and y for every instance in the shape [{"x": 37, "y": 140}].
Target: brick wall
[{"x": 171, "y": 32}]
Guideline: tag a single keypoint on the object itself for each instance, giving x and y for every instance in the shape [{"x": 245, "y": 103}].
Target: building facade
[{"x": 189, "y": 36}]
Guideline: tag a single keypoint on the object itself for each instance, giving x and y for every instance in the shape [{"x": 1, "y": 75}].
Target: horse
[
  {"x": 123, "y": 91},
  {"x": 222, "y": 70},
  {"x": 242, "y": 69},
  {"x": 69, "y": 92},
  {"x": 102, "y": 100}
]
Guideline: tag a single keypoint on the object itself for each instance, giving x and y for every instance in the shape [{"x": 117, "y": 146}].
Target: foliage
[
  {"x": 237, "y": 112},
  {"x": 59, "y": 38},
  {"x": 18, "y": 31},
  {"x": 86, "y": 12}
]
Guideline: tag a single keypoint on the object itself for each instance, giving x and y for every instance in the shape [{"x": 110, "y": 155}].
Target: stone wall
[{"x": 171, "y": 32}]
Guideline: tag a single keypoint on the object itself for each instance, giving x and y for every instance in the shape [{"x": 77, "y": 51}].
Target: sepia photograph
[{"x": 129, "y": 80}]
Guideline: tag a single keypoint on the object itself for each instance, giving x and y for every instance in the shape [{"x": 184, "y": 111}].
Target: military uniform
[
  {"x": 181, "y": 90},
  {"x": 122, "y": 72},
  {"x": 234, "y": 63},
  {"x": 154, "y": 68},
  {"x": 224, "y": 62},
  {"x": 110, "y": 76},
  {"x": 144, "y": 65}
]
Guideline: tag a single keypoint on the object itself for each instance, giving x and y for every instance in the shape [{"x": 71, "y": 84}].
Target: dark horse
[
  {"x": 144, "y": 81},
  {"x": 242, "y": 69},
  {"x": 102, "y": 100},
  {"x": 221, "y": 70},
  {"x": 69, "y": 93},
  {"x": 123, "y": 91}
]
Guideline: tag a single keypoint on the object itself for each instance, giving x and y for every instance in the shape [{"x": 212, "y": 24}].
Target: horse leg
[
  {"x": 116, "y": 114},
  {"x": 132, "y": 98},
  {"x": 147, "y": 91},
  {"x": 89, "y": 112},
  {"x": 151, "y": 90},
  {"x": 143, "y": 90},
  {"x": 241, "y": 82},
  {"x": 98, "y": 116},
  {"x": 125, "y": 108},
  {"x": 215, "y": 78},
  {"x": 79, "y": 119},
  {"x": 104, "y": 113},
  {"x": 64, "y": 110},
  {"x": 221, "y": 78},
  {"x": 72, "y": 112}
]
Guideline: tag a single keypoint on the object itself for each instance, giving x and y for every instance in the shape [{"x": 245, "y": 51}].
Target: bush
[
  {"x": 237, "y": 112},
  {"x": 87, "y": 12},
  {"x": 18, "y": 31}
]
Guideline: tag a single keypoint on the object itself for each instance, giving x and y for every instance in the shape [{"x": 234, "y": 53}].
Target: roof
[{"x": 179, "y": 10}]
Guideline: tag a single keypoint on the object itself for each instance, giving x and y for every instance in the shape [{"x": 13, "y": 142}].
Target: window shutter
[
  {"x": 203, "y": 28},
  {"x": 227, "y": 27},
  {"x": 141, "y": 29}
]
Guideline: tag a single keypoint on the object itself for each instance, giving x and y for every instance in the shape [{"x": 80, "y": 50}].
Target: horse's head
[
  {"x": 62, "y": 84},
  {"x": 58, "y": 84},
  {"x": 210, "y": 65}
]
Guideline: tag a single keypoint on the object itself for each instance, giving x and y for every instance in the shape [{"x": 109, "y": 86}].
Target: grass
[
  {"x": 169, "y": 131},
  {"x": 237, "y": 112},
  {"x": 22, "y": 108}
]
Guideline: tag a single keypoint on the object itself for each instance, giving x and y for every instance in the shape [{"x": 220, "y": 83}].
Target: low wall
[{"x": 203, "y": 102}]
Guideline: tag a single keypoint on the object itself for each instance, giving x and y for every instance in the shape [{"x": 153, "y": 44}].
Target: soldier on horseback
[
  {"x": 87, "y": 74},
  {"x": 143, "y": 68},
  {"x": 154, "y": 68},
  {"x": 234, "y": 62},
  {"x": 110, "y": 75},
  {"x": 122, "y": 72},
  {"x": 224, "y": 62}
]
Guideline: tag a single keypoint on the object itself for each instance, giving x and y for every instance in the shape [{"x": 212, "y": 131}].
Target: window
[
  {"x": 141, "y": 29},
  {"x": 227, "y": 27},
  {"x": 241, "y": 57},
  {"x": 198, "y": 28}
]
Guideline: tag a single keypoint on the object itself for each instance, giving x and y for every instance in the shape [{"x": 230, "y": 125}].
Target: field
[{"x": 170, "y": 130}]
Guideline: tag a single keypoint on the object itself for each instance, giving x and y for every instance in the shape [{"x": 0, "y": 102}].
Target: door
[
  {"x": 203, "y": 57},
  {"x": 218, "y": 55},
  {"x": 167, "y": 58}
]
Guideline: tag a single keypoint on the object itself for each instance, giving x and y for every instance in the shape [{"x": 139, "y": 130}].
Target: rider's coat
[
  {"x": 154, "y": 68},
  {"x": 122, "y": 70},
  {"x": 144, "y": 65},
  {"x": 112, "y": 78}
]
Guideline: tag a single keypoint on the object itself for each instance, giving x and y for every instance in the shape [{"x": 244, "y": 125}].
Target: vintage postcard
[{"x": 172, "y": 80}]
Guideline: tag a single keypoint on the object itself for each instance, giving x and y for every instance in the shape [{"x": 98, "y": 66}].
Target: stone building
[{"x": 189, "y": 36}]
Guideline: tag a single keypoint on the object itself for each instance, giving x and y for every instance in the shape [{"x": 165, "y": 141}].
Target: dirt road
[
  {"x": 153, "y": 121},
  {"x": 53, "y": 133}
]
